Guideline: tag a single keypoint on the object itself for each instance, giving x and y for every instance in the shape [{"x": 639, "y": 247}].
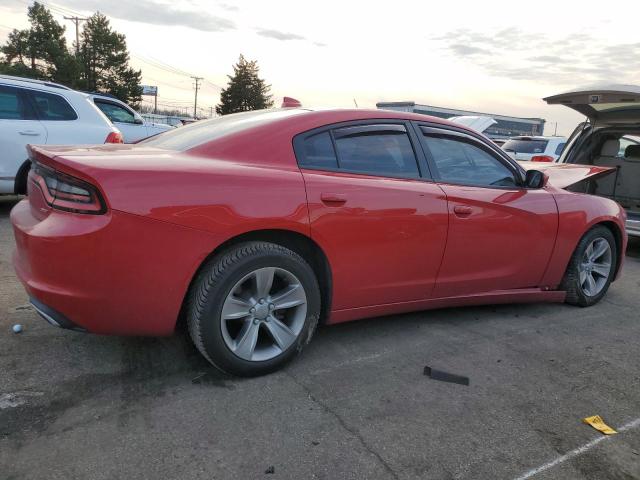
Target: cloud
[
  {"x": 229, "y": 7},
  {"x": 519, "y": 55},
  {"x": 467, "y": 50},
  {"x": 155, "y": 13},
  {"x": 278, "y": 35}
]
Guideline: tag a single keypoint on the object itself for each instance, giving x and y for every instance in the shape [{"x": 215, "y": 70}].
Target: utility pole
[
  {"x": 210, "y": 112},
  {"x": 77, "y": 21},
  {"x": 195, "y": 102}
]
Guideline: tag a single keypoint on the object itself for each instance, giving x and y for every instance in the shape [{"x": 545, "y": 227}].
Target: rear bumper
[{"x": 117, "y": 273}]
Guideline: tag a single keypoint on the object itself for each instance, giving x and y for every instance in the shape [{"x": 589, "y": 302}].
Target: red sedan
[{"x": 256, "y": 226}]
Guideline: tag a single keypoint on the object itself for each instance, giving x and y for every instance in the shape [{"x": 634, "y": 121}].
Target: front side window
[
  {"x": 13, "y": 105},
  {"x": 116, "y": 113},
  {"x": 52, "y": 107},
  {"x": 461, "y": 161},
  {"x": 376, "y": 150}
]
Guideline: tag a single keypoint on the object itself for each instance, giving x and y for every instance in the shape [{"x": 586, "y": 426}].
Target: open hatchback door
[
  {"x": 603, "y": 104},
  {"x": 608, "y": 139}
]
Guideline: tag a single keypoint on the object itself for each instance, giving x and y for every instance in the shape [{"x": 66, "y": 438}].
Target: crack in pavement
[{"x": 343, "y": 424}]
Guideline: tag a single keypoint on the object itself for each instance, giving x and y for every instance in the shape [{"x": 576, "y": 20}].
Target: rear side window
[
  {"x": 520, "y": 145},
  {"x": 318, "y": 152},
  {"x": 376, "y": 150},
  {"x": 14, "y": 104},
  {"x": 560, "y": 147},
  {"x": 115, "y": 113},
  {"x": 52, "y": 107}
]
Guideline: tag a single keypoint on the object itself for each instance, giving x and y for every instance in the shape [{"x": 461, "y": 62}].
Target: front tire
[
  {"x": 253, "y": 308},
  {"x": 591, "y": 268}
]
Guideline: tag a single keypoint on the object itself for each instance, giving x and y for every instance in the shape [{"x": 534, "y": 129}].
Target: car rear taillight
[
  {"x": 541, "y": 158},
  {"x": 114, "y": 137},
  {"x": 64, "y": 192}
]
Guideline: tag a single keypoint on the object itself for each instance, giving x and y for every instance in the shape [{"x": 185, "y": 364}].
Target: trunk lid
[
  {"x": 479, "y": 123},
  {"x": 603, "y": 104},
  {"x": 564, "y": 175}
]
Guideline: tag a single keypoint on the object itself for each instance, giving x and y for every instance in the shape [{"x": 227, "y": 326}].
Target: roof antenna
[{"x": 356, "y": 103}]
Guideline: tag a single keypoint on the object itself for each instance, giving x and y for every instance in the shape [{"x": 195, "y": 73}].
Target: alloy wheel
[
  {"x": 263, "y": 314},
  {"x": 595, "y": 267}
]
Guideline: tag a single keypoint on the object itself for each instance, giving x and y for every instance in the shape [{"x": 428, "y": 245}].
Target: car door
[
  {"x": 18, "y": 128},
  {"x": 501, "y": 235},
  {"x": 374, "y": 211},
  {"x": 130, "y": 125}
]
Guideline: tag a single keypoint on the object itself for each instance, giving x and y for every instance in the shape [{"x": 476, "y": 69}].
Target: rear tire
[
  {"x": 253, "y": 308},
  {"x": 591, "y": 268}
]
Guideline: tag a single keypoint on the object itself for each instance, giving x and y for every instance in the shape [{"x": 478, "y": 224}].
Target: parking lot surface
[{"x": 354, "y": 405}]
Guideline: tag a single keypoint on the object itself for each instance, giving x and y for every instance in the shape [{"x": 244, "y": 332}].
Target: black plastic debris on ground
[
  {"x": 270, "y": 470},
  {"x": 445, "y": 377}
]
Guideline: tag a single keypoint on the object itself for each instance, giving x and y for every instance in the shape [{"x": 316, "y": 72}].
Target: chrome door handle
[{"x": 29, "y": 133}]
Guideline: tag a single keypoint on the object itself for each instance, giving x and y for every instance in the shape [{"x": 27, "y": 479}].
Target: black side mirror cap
[
  {"x": 535, "y": 179},
  {"x": 138, "y": 121}
]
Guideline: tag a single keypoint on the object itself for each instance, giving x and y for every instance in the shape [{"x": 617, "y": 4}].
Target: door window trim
[
  {"x": 395, "y": 125},
  {"x": 425, "y": 128}
]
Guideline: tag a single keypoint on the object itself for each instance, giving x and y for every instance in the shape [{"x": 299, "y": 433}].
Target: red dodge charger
[{"x": 256, "y": 226}]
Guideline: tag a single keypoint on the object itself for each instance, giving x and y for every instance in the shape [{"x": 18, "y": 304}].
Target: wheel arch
[
  {"x": 20, "y": 184},
  {"x": 303, "y": 245},
  {"x": 618, "y": 236}
]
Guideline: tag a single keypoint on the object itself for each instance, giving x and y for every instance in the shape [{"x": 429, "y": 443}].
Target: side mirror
[
  {"x": 535, "y": 179},
  {"x": 138, "y": 121}
]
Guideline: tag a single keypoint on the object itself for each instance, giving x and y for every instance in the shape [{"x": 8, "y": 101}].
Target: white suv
[
  {"x": 534, "y": 149},
  {"x": 133, "y": 127},
  {"x": 38, "y": 112}
]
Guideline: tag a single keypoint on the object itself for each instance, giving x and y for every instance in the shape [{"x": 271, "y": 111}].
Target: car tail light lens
[
  {"x": 541, "y": 158},
  {"x": 114, "y": 137},
  {"x": 64, "y": 192}
]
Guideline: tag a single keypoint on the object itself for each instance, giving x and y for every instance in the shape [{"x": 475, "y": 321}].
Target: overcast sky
[{"x": 496, "y": 57}]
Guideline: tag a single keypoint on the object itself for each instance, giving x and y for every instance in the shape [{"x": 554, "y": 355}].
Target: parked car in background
[
  {"x": 534, "y": 149},
  {"x": 609, "y": 138},
  {"x": 133, "y": 127},
  {"x": 255, "y": 226},
  {"x": 43, "y": 113}
]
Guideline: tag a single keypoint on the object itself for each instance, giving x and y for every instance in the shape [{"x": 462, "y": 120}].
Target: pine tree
[
  {"x": 39, "y": 51},
  {"x": 105, "y": 61},
  {"x": 245, "y": 91}
]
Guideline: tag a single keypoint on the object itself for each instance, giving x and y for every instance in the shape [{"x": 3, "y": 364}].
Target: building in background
[{"x": 504, "y": 127}]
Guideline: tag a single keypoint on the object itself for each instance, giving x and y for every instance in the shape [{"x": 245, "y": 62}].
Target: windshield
[
  {"x": 525, "y": 145},
  {"x": 189, "y": 136}
]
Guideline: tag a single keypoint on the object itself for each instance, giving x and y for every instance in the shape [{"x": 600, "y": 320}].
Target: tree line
[{"x": 99, "y": 62}]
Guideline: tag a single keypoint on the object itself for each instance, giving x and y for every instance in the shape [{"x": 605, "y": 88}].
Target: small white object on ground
[{"x": 17, "y": 328}]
